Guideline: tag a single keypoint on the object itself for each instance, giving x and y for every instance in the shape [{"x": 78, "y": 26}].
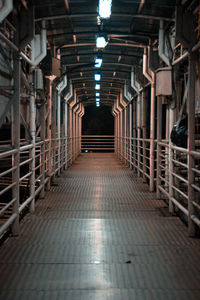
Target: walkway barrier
[
  {"x": 96, "y": 143},
  {"x": 169, "y": 171},
  {"x": 21, "y": 183}
]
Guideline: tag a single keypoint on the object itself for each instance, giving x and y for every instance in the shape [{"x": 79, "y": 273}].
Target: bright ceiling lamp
[
  {"x": 98, "y": 62},
  {"x": 97, "y": 77},
  {"x": 101, "y": 42},
  {"x": 97, "y": 94},
  {"x": 105, "y": 8},
  {"x": 97, "y": 104},
  {"x": 97, "y": 86},
  {"x": 97, "y": 99}
]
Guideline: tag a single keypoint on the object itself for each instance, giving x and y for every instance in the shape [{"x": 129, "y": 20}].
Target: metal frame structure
[{"x": 47, "y": 78}]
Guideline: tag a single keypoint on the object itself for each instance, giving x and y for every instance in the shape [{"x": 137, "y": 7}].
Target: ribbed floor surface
[{"x": 100, "y": 234}]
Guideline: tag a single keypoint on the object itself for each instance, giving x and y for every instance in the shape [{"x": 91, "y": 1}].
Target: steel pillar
[
  {"x": 171, "y": 166},
  {"x": 191, "y": 140},
  {"x": 65, "y": 120},
  {"x": 152, "y": 133},
  {"x": 144, "y": 133},
  {"x": 32, "y": 151},
  {"x": 42, "y": 136},
  {"x": 49, "y": 128},
  {"x": 130, "y": 134},
  {"x": 58, "y": 135},
  {"x": 159, "y": 137},
  {"x": 138, "y": 133},
  {"x": 16, "y": 139},
  {"x": 53, "y": 131}
]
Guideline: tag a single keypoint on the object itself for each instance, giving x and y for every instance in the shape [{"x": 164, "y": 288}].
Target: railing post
[
  {"x": 144, "y": 135},
  {"x": 49, "y": 128},
  {"x": 65, "y": 132},
  {"x": 159, "y": 136},
  {"x": 134, "y": 137},
  {"x": 138, "y": 134},
  {"x": 171, "y": 166},
  {"x": 16, "y": 139},
  {"x": 191, "y": 141},
  {"x": 58, "y": 133},
  {"x": 130, "y": 134},
  {"x": 32, "y": 151},
  {"x": 42, "y": 135},
  {"x": 125, "y": 135},
  {"x": 70, "y": 134},
  {"x": 53, "y": 130},
  {"x": 152, "y": 133}
]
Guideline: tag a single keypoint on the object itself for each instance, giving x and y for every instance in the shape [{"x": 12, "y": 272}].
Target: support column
[
  {"x": 53, "y": 131},
  {"x": 42, "y": 135},
  {"x": 49, "y": 128},
  {"x": 134, "y": 136},
  {"x": 152, "y": 133},
  {"x": 65, "y": 132},
  {"x": 118, "y": 135},
  {"x": 71, "y": 134},
  {"x": 159, "y": 136},
  {"x": 144, "y": 134},
  {"x": 171, "y": 166},
  {"x": 191, "y": 141},
  {"x": 32, "y": 152},
  {"x": 130, "y": 134},
  {"x": 80, "y": 132},
  {"x": 16, "y": 141},
  {"x": 138, "y": 133},
  {"x": 125, "y": 135},
  {"x": 58, "y": 135}
]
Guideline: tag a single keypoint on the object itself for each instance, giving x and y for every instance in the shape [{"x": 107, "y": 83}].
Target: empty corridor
[{"x": 100, "y": 234}]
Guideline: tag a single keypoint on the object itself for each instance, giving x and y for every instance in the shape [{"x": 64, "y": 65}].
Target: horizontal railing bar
[
  {"x": 7, "y": 188},
  {"x": 7, "y": 206},
  {"x": 7, "y": 224},
  {"x": 7, "y": 171}
]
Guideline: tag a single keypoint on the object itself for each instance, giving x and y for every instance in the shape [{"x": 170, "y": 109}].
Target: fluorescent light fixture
[
  {"x": 98, "y": 62},
  {"x": 97, "y": 99},
  {"x": 105, "y": 8},
  {"x": 97, "y": 86},
  {"x": 97, "y": 77},
  {"x": 101, "y": 42},
  {"x": 97, "y": 94},
  {"x": 97, "y": 104}
]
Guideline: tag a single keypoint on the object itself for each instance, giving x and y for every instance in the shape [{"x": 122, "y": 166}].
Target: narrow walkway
[{"x": 100, "y": 234}]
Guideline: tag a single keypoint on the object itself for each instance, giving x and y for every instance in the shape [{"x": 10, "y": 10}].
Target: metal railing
[
  {"x": 169, "y": 172},
  {"x": 17, "y": 192},
  {"x": 94, "y": 143}
]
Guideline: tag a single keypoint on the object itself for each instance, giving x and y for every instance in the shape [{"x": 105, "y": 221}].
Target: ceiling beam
[
  {"x": 102, "y": 54},
  {"x": 113, "y": 15},
  {"x": 132, "y": 45}
]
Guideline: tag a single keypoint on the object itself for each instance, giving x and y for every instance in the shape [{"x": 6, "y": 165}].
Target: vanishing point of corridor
[{"x": 100, "y": 234}]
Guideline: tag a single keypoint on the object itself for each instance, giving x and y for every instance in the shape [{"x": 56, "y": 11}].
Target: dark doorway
[{"x": 98, "y": 121}]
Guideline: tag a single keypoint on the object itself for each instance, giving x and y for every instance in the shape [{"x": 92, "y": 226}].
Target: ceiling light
[
  {"x": 101, "y": 42},
  {"x": 97, "y": 99},
  {"x": 97, "y": 104},
  {"x": 98, "y": 62},
  {"x": 97, "y": 77},
  {"x": 97, "y": 94},
  {"x": 97, "y": 86},
  {"x": 105, "y": 8}
]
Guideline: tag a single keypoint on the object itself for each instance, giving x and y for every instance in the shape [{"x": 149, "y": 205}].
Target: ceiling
[{"x": 72, "y": 29}]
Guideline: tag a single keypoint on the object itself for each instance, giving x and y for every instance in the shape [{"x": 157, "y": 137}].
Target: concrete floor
[{"x": 100, "y": 234}]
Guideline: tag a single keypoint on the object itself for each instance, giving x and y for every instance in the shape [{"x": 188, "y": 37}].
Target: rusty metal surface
[{"x": 99, "y": 234}]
